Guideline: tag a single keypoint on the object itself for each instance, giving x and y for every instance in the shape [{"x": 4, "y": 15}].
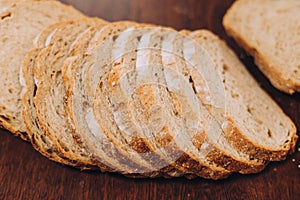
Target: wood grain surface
[{"x": 25, "y": 174}]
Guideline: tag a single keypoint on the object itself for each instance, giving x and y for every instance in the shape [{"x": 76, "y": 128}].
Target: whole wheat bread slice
[
  {"x": 269, "y": 31},
  {"x": 255, "y": 124},
  {"x": 17, "y": 30}
]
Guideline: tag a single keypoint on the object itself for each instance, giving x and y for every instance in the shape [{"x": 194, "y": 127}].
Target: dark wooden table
[{"x": 25, "y": 174}]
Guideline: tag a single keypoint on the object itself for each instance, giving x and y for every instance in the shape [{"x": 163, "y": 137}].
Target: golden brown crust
[
  {"x": 6, "y": 125},
  {"x": 228, "y": 162}
]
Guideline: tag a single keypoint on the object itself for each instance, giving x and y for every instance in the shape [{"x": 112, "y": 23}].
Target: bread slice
[
  {"x": 54, "y": 122},
  {"x": 39, "y": 140},
  {"x": 255, "y": 124},
  {"x": 29, "y": 87},
  {"x": 269, "y": 31},
  {"x": 15, "y": 21}
]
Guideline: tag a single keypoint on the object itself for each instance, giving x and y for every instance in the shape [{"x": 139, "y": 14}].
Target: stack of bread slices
[{"x": 136, "y": 99}]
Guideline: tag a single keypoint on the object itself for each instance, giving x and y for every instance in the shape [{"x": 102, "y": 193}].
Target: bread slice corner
[{"x": 269, "y": 31}]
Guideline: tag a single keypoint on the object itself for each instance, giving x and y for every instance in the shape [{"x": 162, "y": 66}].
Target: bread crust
[{"x": 244, "y": 144}]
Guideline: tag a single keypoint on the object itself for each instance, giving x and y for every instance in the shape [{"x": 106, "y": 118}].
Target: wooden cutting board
[{"x": 25, "y": 174}]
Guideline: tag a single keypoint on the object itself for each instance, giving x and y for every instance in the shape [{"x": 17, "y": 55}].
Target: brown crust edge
[
  {"x": 247, "y": 146},
  {"x": 15, "y": 132}
]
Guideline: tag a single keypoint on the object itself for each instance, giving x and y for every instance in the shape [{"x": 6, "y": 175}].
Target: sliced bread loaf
[
  {"x": 269, "y": 31},
  {"x": 255, "y": 124},
  {"x": 17, "y": 31},
  {"x": 203, "y": 168}
]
